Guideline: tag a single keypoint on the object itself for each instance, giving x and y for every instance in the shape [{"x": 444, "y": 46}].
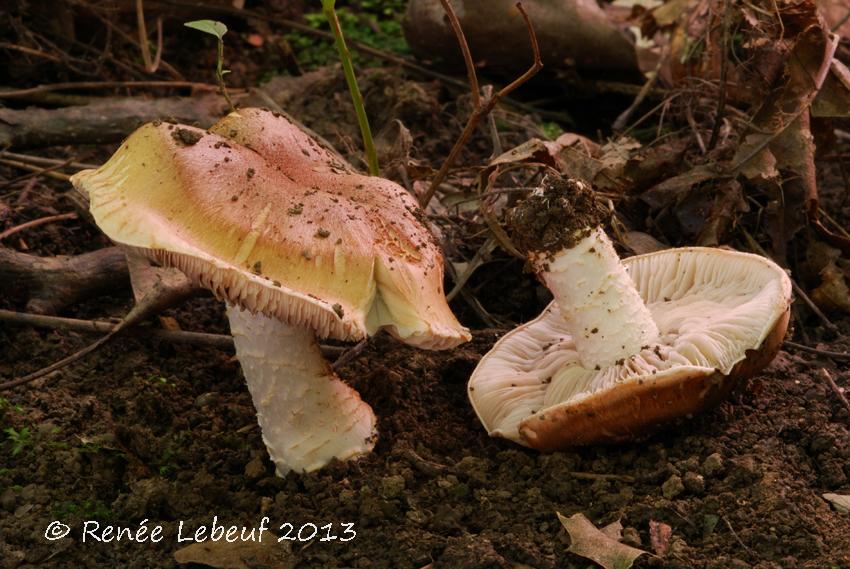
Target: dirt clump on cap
[{"x": 564, "y": 213}]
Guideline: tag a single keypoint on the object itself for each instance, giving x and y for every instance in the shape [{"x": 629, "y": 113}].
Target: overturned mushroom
[
  {"x": 625, "y": 346},
  {"x": 298, "y": 245}
]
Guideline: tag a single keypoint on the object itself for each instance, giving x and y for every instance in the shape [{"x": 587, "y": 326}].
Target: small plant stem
[
  {"x": 351, "y": 79},
  {"x": 724, "y": 64},
  {"x": 480, "y": 109},
  {"x": 219, "y": 74}
]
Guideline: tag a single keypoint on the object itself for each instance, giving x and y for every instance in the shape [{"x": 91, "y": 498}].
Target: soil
[
  {"x": 560, "y": 216},
  {"x": 148, "y": 433},
  {"x": 147, "y": 430}
]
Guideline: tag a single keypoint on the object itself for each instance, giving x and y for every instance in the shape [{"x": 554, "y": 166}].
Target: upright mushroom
[
  {"x": 298, "y": 244},
  {"x": 625, "y": 346}
]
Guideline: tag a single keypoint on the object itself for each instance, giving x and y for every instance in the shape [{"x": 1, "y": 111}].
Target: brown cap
[
  {"x": 721, "y": 314},
  {"x": 259, "y": 213}
]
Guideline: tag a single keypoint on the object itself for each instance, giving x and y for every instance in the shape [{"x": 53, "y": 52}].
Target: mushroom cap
[
  {"x": 721, "y": 314},
  {"x": 259, "y": 213}
]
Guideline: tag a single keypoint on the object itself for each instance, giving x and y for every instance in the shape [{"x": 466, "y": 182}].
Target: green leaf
[{"x": 212, "y": 27}]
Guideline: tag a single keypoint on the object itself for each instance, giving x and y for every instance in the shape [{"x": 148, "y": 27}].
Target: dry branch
[
  {"x": 107, "y": 120},
  {"x": 52, "y": 283},
  {"x": 481, "y": 109}
]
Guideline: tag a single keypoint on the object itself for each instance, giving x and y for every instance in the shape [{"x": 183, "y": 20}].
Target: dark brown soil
[
  {"x": 564, "y": 213},
  {"x": 146, "y": 430}
]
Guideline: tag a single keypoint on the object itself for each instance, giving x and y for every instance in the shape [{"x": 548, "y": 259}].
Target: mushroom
[
  {"x": 298, "y": 244},
  {"x": 625, "y": 346}
]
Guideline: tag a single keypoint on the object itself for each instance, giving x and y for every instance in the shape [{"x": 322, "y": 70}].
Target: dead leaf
[
  {"x": 841, "y": 502},
  {"x": 641, "y": 243},
  {"x": 239, "y": 554},
  {"x": 833, "y": 293},
  {"x": 393, "y": 144},
  {"x": 670, "y": 190},
  {"x": 833, "y": 99},
  {"x": 659, "y": 536},
  {"x": 614, "y": 530},
  {"x": 589, "y": 542}
]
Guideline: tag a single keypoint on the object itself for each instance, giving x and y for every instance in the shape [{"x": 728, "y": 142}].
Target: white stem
[
  {"x": 599, "y": 302},
  {"x": 307, "y": 415}
]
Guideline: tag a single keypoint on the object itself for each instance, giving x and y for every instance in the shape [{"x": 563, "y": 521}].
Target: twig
[
  {"x": 30, "y": 51},
  {"x": 18, "y": 93},
  {"x": 163, "y": 295},
  {"x": 834, "y": 386},
  {"x": 97, "y": 326},
  {"x": 814, "y": 307},
  {"x": 60, "y": 364},
  {"x": 593, "y": 476},
  {"x": 36, "y": 223},
  {"x": 484, "y": 108},
  {"x": 42, "y": 161},
  {"x": 350, "y": 353},
  {"x": 689, "y": 115},
  {"x": 660, "y": 106},
  {"x": 37, "y": 169},
  {"x": 35, "y": 174},
  {"x": 826, "y": 353},
  {"x": 735, "y": 534},
  {"x": 476, "y": 262},
  {"x": 150, "y": 65},
  {"x": 622, "y": 120},
  {"x": 464, "y": 49},
  {"x": 221, "y": 341},
  {"x": 724, "y": 63},
  {"x": 353, "y": 88},
  {"x": 797, "y": 289}
]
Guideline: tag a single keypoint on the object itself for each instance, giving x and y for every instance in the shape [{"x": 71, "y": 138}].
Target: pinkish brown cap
[{"x": 256, "y": 211}]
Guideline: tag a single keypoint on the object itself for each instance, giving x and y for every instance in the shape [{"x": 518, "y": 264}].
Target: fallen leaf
[
  {"x": 589, "y": 542},
  {"x": 659, "y": 536},
  {"x": 614, "y": 530},
  {"x": 841, "y": 502},
  {"x": 833, "y": 293},
  {"x": 641, "y": 243},
  {"x": 238, "y": 555}
]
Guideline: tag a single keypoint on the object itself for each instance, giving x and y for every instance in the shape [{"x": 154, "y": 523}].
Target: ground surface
[{"x": 145, "y": 430}]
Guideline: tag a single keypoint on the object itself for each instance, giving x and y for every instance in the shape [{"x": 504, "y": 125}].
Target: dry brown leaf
[
  {"x": 833, "y": 293},
  {"x": 641, "y": 243},
  {"x": 841, "y": 502},
  {"x": 238, "y": 555},
  {"x": 589, "y": 542}
]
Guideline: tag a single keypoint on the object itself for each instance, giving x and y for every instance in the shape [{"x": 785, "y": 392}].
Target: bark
[
  {"x": 571, "y": 33},
  {"x": 102, "y": 121},
  {"x": 52, "y": 283}
]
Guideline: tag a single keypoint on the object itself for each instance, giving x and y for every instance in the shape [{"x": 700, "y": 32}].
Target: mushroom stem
[
  {"x": 307, "y": 415},
  {"x": 602, "y": 309},
  {"x": 559, "y": 227}
]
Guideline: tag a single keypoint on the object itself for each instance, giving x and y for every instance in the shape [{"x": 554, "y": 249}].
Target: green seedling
[
  {"x": 19, "y": 439},
  {"x": 218, "y": 30},
  {"x": 157, "y": 379},
  {"x": 552, "y": 130},
  {"x": 328, "y": 7}
]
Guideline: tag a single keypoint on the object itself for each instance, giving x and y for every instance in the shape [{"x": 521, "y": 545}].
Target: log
[
  {"x": 52, "y": 283},
  {"x": 102, "y": 121}
]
